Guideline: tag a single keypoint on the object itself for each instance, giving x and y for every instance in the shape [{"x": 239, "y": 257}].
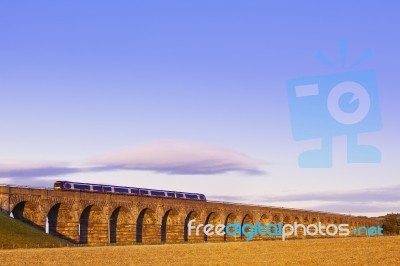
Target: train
[{"x": 68, "y": 185}]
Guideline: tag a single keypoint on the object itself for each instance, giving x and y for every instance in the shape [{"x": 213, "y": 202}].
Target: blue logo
[{"x": 345, "y": 103}]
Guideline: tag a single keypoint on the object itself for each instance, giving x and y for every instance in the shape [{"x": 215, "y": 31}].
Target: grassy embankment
[{"x": 16, "y": 234}]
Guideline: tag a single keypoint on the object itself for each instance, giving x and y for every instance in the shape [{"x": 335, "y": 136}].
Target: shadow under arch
[
  {"x": 60, "y": 221},
  {"x": 231, "y": 218},
  {"x": 287, "y": 220},
  {"x": 84, "y": 225},
  {"x": 265, "y": 221},
  {"x": 322, "y": 221},
  {"x": 53, "y": 219},
  {"x": 27, "y": 212},
  {"x": 188, "y": 236},
  {"x": 299, "y": 232},
  {"x": 121, "y": 226},
  {"x": 93, "y": 226},
  {"x": 247, "y": 219},
  {"x": 146, "y": 229},
  {"x": 170, "y": 227},
  {"x": 276, "y": 219},
  {"x": 212, "y": 218}
]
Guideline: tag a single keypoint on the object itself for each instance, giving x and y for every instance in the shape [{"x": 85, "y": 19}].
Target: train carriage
[{"x": 68, "y": 185}]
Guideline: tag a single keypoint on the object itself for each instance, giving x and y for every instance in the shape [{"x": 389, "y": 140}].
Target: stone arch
[
  {"x": 214, "y": 219},
  {"x": 323, "y": 221},
  {"x": 171, "y": 227},
  {"x": 93, "y": 226},
  {"x": 52, "y": 217},
  {"x": 314, "y": 220},
  {"x": 300, "y": 230},
  {"x": 276, "y": 219},
  {"x": 264, "y": 220},
  {"x": 62, "y": 222},
  {"x": 352, "y": 225},
  {"x": 121, "y": 226},
  {"x": 147, "y": 230},
  {"x": 191, "y": 236},
  {"x": 287, "y": 220},
  {"x": 361, "y": 229},
  {"x": 247, "y": 219},
  {"x": 231, "y": 218},
  {"x": 28, "y": 212}
]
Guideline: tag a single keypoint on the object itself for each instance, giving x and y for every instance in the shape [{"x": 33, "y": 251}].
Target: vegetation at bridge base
[
  {"x": 391, "y": 224},
  {"x": 16, "y": 234}
]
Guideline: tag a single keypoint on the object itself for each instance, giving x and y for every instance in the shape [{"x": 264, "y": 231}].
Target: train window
[
  {"x": 157, "y": 193},
  {"x": 81, "y": 187},
  {"x": 144, "y": 192},
  {"x": 179, "y": 195},
  {"x": 106, "y": 189},
  {"x": 134, "y": 191},
  {"x": 191, "y": 196},
  {"x": 96, "y": 188},
  {"x": 120, "y": 190},
  {"x": 171, "y": 194}
]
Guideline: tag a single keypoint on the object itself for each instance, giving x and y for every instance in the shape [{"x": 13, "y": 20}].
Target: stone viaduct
[{"x": 100, "y": 218}]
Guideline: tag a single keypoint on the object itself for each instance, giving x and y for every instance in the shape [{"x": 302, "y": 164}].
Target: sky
[{"x": 194, "y": 96}]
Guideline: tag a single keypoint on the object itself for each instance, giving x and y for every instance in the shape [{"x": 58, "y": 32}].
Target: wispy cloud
[
  {"x": 386, "y": 194},
  {"x": 354, "y": 207},
  {"x": 373, "y": 200},
  {"x": 366, "y": 195},
  {"x": 21, "y": 169},
  {"x": 169, "y": 157},
  {"x": 176, "y": 157}
]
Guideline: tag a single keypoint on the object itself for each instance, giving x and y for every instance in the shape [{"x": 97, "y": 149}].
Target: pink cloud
[
  {"x": 170, "y": 157},
  {"x": 177, "y": 157}
]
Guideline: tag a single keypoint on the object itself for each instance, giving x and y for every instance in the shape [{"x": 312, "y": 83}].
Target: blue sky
[{"x": 191, "y": 96}]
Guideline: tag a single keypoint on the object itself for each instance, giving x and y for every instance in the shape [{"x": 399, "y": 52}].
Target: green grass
[{"x": 16, "y": 234}]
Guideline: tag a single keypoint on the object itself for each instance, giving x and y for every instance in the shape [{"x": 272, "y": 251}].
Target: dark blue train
[{"x": 67, "y": 185}]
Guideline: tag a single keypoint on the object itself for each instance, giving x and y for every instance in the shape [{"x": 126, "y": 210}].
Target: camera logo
[{"x": 322, "y": 107}]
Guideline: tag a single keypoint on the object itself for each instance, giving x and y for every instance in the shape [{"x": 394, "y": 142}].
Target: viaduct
[{"x": 100, "y": 218}]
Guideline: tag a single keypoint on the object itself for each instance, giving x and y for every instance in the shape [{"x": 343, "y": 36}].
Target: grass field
[
  {"x": 14, "y": 233},
  {"x": 344, "y": 251}
]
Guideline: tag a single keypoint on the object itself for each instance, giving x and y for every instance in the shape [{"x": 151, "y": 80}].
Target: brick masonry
[{"x": 96, "y": 218}]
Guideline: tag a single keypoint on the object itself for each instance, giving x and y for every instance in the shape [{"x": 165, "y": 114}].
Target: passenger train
[{"x": 67, "y": 185}]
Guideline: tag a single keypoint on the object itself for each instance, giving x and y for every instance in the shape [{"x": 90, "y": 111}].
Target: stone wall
[{"x": 95, "y": 218}]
